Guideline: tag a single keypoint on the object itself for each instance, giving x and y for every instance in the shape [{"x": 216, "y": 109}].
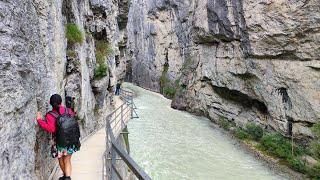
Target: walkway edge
[{"x": 56, "y": 166}]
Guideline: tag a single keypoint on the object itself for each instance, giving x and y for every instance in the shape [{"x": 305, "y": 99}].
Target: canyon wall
[
  {"x": 246, "y": 61},
  {"x": 243, "y": 60},
  {"x": 37, "y": 61}
]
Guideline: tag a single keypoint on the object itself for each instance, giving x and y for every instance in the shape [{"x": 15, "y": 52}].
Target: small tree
[{"x": 255, "y": 131}]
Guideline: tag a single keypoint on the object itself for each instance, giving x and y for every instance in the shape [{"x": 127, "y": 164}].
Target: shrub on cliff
[
  {"x": 104, "y": 47},
  {"x": 240, "y": 134},
  {"x": 100, "y": 58},
  {"x": 169, "y": 91},
  {"x": 101, "y": 71},
  {"x": 164, "y": 80},
  {"x": 277, "y": 145},
  {"x": 167, "y": 87},
  {"x": 224, "y": 123},
  {"x": 314, "y": 172},
  {"x": 74, "y": 34},
  {"x": 315, "y": 144},
  {"x": 297, "y": 165},
  {"x": 255, "y": 131},
  {"x": 71, "y": 53}
]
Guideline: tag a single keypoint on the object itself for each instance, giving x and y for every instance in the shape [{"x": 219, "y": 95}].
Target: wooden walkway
[{"x": 87, "y": 164}]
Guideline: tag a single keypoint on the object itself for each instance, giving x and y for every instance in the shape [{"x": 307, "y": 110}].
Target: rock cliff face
[
  {"x": 248, "y": 60},
  {"x": 245, "y": 60},
  {"x": 38, "y": 61}
]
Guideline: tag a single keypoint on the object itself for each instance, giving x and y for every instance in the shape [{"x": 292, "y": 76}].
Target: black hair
[
  {"x": 70, "y": 102},
  {"x": 55, "y": 101}
]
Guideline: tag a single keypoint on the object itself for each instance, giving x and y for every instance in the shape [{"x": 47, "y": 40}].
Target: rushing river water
[{"x": 175, "y": 145}]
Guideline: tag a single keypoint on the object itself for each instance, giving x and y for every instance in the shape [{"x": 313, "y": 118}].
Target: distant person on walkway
[
  {"x": 61, "y": 123},
  {"x": 118, "y": 88}
]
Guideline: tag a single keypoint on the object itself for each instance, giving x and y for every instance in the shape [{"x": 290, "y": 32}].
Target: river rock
[{"x": 310, "y": 161}]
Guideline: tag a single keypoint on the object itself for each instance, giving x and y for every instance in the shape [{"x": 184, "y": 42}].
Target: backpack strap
[
  {"x": 54, "y": 114},
  {"x": 66, "y": 110}
]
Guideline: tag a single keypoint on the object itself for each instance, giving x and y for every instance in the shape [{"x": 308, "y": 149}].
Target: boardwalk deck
[{"x": 87, "y": 163}]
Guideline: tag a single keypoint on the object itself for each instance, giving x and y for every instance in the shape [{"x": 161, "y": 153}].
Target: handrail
[
  {"x": 129, "y": 100},
  {"x": 112, "y": 147},
  {"x": 136, "y": 169}
]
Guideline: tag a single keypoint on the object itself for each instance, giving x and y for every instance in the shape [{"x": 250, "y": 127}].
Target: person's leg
[
  {"x": 67, "y": 165},
  {"x": 61, "y": 163},
  {"x": 117, "y": 91}
]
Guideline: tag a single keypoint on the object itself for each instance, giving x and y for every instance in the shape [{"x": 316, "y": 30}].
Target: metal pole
[
  {"x": 108, "y": 146},
  {"x": 121, "y": 117},
  {"x": 113, "y": 163},
  {"x": 131, "y": 99}
]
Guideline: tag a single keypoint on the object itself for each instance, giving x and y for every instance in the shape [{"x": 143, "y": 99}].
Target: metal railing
[
  {"x": 127, "y": 97},
  {"x": 116, "y": 123}
]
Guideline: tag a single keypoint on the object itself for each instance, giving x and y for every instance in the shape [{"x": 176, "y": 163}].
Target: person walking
[
  {"x": 61, "y": 123},
  {"x": 118, "y": 87}
]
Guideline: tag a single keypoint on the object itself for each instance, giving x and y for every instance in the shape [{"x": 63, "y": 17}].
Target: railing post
[
  {"x": 108, "y": 153},
  {"x": 131, "y": 102},
  {"x": 113, "y": 149},
  {"x": 121, "y": 116},
  {"x": 113, "y": 163}
]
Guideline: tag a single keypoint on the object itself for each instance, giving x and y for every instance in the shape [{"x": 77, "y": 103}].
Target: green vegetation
[
  {"x": 71, "y": 53},
  {"x": 315, "y": 144},
  {"x": 316, "y": 130},
  {"x": 74, "y": 34},
  {"x": 297, "y": 165},
  {"x": 100, "y": 58},
  {"x": 255, "y": 131},
  {"x": 77, "y": 62},
  {"x": 96, "y": 109},
  {"x": 101, "y": 71},
  {"x": 167, "y": 87},
  {"x": 276, "y": 145},
  {"x": 224, "y": 123},
  {"x": 281, "y": 147},
  {"x": 241, "y": 134},
  {"x": 186, "y": 64},
  {"x": 315, "y": 148},
  {"x": 103, "y": 49},
  {"x": 164, "y": 79},
  {"x": 314, "y": 172},
  {"x": 169, "y": 91}
]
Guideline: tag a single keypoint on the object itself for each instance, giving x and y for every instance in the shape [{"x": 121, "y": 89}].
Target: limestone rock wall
[
  {"x": 247, "y": 61},
  {"x": 36, "y": 62}
]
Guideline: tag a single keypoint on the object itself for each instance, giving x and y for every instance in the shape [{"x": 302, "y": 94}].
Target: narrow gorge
[
  {"x": 247, "y": 61},
  {"x": 240, "y": 60}
]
